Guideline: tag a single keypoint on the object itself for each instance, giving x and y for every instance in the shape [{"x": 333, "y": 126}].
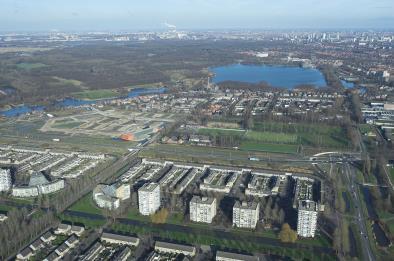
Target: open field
[
  {"x": 273, "y": 137},
  {"x": 30, "y": 66},
  {"x": 221, "y": 131},
  {"x": 95, "y": 94},
  {"x": 112, "y": 123},
  {"x": 86, "y": 205}
]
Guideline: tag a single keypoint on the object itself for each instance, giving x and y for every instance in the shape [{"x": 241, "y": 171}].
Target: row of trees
[{"x": 21, "y": 227}]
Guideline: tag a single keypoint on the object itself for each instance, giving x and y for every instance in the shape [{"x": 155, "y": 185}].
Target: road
[
  {"x": 360, "y": 217},
  {"x": 229, "y": 154}
]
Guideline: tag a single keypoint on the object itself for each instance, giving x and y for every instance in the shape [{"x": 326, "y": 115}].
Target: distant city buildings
[
  {"x": 149, "y": 198},
  {"x": 307, "y": 218},
  {"x": 5, "y": 180},
  {"x": 246, "y": 214},
  {"x": 110, "y": 196},
  {"x": 202, "y": 209}
]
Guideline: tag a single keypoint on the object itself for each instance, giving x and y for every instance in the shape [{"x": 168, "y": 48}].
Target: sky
[{"x": 96, "y": 15}]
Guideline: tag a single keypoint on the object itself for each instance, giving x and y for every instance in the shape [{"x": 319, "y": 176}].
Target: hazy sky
[{"x": 193, "y": 14}]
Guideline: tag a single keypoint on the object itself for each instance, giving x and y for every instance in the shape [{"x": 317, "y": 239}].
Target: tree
[
  {"x": 287, "y": 235},
  {"x": 160, "y": 216}
]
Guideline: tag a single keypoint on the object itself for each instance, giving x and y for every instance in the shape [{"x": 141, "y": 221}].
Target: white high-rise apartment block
[
  {"x": 5, "y": 180},
  {"x": 246, "y": 214},
  {"x": 149, "y": 198},
  {"x": 307, "y": 218},
  {"x": 202, "y": 209}
]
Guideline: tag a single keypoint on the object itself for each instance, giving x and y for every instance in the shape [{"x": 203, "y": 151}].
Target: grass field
[
  {"x": 221, "y": 132},
  {"x": 284, "y": 137},
  {"x": 5, "y": 208},
  {"x": 391, "y": 172},
  {"x": 315, "y": 135},
  {"x": 272, "y": 137},
  {"x": 86, "y": 205},
  {"x": 95, "y": 94},
  {"x": 30, "y": 66},
  {"x": 88, "y": 223},
  {"x": 268, "y": 147},
  {"x": 64, "y": 81}
]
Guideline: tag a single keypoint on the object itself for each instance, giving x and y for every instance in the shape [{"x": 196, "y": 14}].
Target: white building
[
  {"x": 149, "y": 198},
  {"x": 202, "y": 209},
  {"x": 51, "y": 187},
  {"x": 246, "y": 214},
  {"x": 23, "y": 192},
  {"x": 104, "y": 198},
  {"x": 171, "y": 248},
  {"x": 307, "y": 218},
  {"x": 38, "y": 184},
  {"x": 5, "y": 180}
]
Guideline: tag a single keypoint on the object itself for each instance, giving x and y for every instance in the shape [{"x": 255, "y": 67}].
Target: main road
[{"x": 360, "y": 217}]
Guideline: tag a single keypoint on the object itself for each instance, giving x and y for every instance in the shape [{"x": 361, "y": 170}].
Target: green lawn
[
  {"x": 88, "y": 223},
  {"x": 314, "y": 135},
  {"x": 86, "y": 205},
  {"x": 391, "y": 172},
  {"x": 272, "y": 137},
  {"x": 5, "y": 208},
  {"x": 133, "y": 214},
  {"x": 221, "y": 132},
  {"x": 30, "y": 66},
  {"x": 268, "y": 147},
  {"x": 308, "y": 135},
  {"x": 95, "y": 94}
]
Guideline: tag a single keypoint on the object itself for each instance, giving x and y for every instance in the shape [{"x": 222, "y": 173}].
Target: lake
[
  {"x": 277, "y": 76},
  {"x": 71, "y": 102}
]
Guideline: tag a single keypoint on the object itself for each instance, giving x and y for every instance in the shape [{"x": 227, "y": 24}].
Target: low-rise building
[
  {"x": 25, "y": 254},
  {"x": 93, "y": 252},
  {"x": 77, "y": 230},
  {"x": 48, "y": 237},
  {"x": 149, "y": 198},
  {"x": 123, "y": 255},
  {"x": 3, "y": 217},
  {"x": 246, "y": 214},
  {"x": 171, "y": 248},
  {"x": 25, "y": 191},
  {"x": 117, "y": 239},
  {"x": 63, "y": 228},
  {"x": 37, "y": 244},
  {"x": 228, "y": 256},
  {"x": 52, "y": 257},
  {"x": 307, "y": 218},
  {"x": 202, "y": 209}
]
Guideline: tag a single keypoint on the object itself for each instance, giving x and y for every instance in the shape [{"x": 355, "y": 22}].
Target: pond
[{"x": 277, "y": 76}]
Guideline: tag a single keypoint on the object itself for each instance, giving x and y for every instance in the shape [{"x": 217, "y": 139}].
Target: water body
[
  {"x": 278, "y": 76},
  {"x": 20, "y": 110},
  {"x": 347, "y": 85},
  {"x": 71, "y": 102}
]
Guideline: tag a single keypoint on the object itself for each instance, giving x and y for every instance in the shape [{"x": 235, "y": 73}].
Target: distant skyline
[{"x": 96, "y": 15}]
